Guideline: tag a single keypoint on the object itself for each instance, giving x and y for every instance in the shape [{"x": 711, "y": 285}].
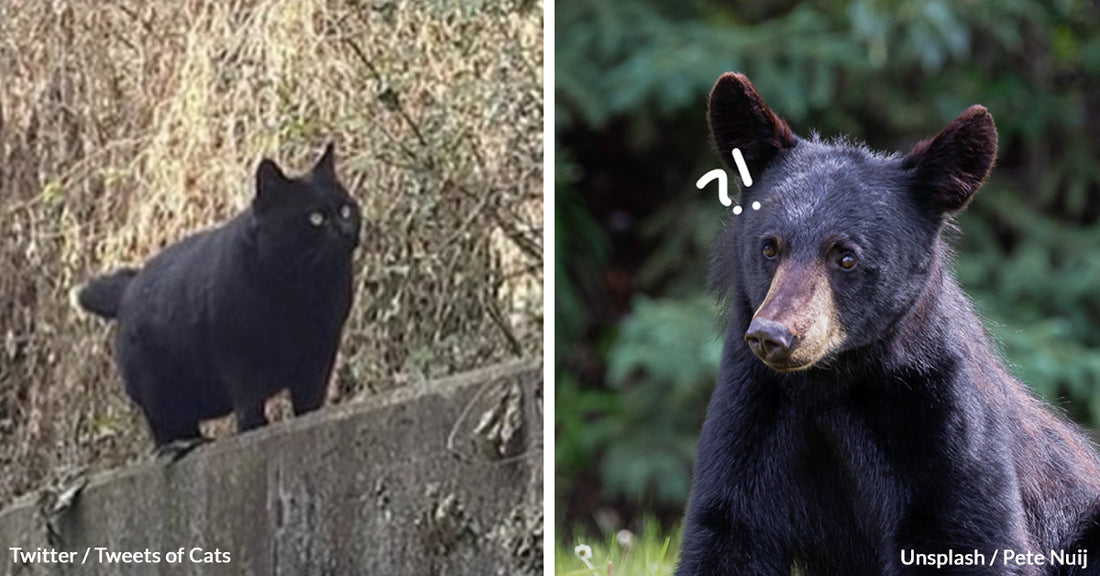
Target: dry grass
[{"x": 125, "y": 125}]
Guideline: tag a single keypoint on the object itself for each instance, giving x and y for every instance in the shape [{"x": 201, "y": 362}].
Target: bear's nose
[{"x": 769, "y": 340}]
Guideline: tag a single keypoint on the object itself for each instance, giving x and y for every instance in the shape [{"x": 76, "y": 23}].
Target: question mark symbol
[
  {"x": 723, "y": 181},
  {"x": 723, "y": 185}
]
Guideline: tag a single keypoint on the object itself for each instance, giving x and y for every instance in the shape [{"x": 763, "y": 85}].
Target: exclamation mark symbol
[
  {"x": 723, "y": 187},
  {"x": 743, "y": 168}
]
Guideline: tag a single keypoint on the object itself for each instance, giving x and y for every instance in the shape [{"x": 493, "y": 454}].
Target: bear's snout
[
  {"x": 797, "y": 324},
  {"x": 771, "y": 341}
]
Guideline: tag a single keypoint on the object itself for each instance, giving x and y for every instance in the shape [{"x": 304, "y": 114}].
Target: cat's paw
[{"x": 177, "y": 449}]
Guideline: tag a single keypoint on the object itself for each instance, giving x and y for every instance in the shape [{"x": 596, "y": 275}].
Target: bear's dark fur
[
  {"x": 225, "y": 318},
  {"x": 862, "y": 412}
]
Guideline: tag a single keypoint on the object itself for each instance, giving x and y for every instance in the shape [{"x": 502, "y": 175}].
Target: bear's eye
[
  {"x": 846, "y": 261},
  {"x": 770, "y": 249},
  {"x": 316, "y": 218},
  {"x": 345, "y": 211}
]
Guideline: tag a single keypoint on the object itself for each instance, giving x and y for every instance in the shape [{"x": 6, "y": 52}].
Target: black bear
[
  {"x": 863, "y": 422},
  {"x": 221, "y": 320}
]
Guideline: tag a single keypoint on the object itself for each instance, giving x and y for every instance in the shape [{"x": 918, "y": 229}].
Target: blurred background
[
  {"x": 637, "y": 339},
  {"x": 126, "y": 125}
]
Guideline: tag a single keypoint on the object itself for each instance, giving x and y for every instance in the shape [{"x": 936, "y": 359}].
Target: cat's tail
[{"x": 102, "y": 295}]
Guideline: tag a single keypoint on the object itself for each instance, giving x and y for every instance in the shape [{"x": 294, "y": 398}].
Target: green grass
[{"x": 649, "y": 553}]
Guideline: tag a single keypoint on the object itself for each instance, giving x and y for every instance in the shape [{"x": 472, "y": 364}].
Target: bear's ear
[
  {"x": 740, "y": 119},
  {"x": 326, "y": 165},
  {"x": 947, "y": 170},
  {"x": 270, "y": 183}
]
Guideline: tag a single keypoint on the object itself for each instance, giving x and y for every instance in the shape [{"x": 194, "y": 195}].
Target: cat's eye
[
  {"x": 316, "y": 218},
  {"x": 770, "y": 249},
  {"x": 345, "y": 211}
]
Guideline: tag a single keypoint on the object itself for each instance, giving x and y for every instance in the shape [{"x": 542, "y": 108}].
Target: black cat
[{"x": 225, "y": 318}]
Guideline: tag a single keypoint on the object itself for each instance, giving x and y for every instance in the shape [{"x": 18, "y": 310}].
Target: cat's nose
[{"x": 349, "y": 231}]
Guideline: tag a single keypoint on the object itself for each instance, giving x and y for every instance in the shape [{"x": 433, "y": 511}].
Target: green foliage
[
  {"x": 681, "y": 235},
  {"x": 661, "y": 368},
  {"x": 662, "y": 365},
  {"x": 652, "y": 552},
  {"x": 585, "y": 420},
  {"x": 575, "y": 233},
  {"x": 625, "y": 56}
]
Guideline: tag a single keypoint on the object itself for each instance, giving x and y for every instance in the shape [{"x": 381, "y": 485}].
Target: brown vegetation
[{"x": 125, "y": 125}]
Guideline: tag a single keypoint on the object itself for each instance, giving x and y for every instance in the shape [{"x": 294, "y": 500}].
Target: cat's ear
[
  {"x": 270, "y": 181},
  {"x": 326, "y": 166}
]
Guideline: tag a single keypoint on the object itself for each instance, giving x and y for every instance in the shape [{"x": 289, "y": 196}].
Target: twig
[
  {"x": 462, "y": 418},
  {"x": 503, "y": 326},
  {"x": 430, "y": 162}
]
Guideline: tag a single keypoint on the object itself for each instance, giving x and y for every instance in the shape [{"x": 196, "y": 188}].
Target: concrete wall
[{"x": 443, "y": 478}]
